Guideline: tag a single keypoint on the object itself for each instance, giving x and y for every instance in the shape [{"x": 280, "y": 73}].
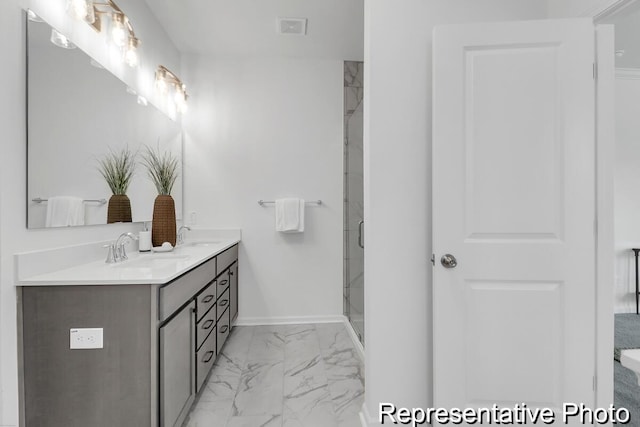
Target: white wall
[
  {"x": 264, "y": 129},
  {"x": 398, "y": 43},
  {"x": 577, "y": 8},
  {"x": 627, "y": 191},
  {"x": 15, "y": 236}
]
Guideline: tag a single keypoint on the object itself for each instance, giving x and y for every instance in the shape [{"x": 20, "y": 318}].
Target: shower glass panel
[{"x": 353, "y": 197}]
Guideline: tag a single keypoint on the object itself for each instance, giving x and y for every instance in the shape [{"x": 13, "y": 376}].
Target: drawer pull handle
[
  {"x": 222, "y": 283},
  {"x": 207, "y": 324},
  {"x": 224, "y": 329},
  {"x": 207, "y": 299},
  {"x": 224, "y": 303},
  {"x": 206, "y": 359}
]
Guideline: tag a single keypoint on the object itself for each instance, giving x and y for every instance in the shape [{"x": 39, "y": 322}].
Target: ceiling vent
[{"x": 292, "y": 26}]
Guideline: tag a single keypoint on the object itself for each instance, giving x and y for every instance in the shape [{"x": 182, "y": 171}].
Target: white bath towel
[
  {"x": 290, "y": 215},
  {"x": 64, "y": 211}
]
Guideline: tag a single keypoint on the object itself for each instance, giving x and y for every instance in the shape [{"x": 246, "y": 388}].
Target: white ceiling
[
  {"x": 627, "y": 34},
  {"x": 335, "y": 28}
]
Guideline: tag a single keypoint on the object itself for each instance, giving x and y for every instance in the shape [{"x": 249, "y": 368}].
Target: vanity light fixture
[
  {"x": 170, "y": 85},
  {"x": 131, "y": 52},
  {"x": 61, "y": 40},
  {"x": 31, "y": 15},
  {"x": 120, "y": 30},
  {"x": 82, "y": 10}
]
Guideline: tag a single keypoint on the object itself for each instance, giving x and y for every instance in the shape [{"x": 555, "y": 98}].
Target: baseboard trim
[
  {"x": 354, "y": 337},
  {"x": 288, "y": 320}
]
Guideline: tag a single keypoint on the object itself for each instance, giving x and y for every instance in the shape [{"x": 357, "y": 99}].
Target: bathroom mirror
[{"x": 77, "y": 112}]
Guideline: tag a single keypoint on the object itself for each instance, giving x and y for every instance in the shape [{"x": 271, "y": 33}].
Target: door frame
[{"x": 605, "y": 158}]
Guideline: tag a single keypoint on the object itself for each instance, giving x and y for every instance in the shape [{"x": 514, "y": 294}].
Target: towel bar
[
  {"x": 311, "y": 202},
  {"x": 100, "y": 201}
]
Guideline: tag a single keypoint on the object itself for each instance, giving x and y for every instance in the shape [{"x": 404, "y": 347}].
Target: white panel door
[{"x": 514, "y": 202}]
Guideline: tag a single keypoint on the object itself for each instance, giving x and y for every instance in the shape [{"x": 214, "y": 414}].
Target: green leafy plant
[
  {"x": 161, "y": 168},
  {"x": 117, "y": 168}
]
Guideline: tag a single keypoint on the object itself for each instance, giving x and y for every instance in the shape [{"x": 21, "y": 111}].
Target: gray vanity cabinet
[
  {"x": 177, "y": 365},
  {"x": 233, "y": 290},
  {"x": 160, "y": 343}
]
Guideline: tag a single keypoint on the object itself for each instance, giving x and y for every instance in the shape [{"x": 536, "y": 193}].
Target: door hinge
[
  {"x": 595, "y": 71},
  {"x": 433, "y": 259}
]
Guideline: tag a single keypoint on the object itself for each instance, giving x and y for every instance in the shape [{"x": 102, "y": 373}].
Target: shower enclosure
[{"x": 353, "y": 197}]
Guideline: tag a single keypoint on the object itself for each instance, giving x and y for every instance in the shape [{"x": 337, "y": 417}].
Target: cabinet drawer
[
  {"x": 204, "y": 359},
  {"x": 223, "y": 302},
  {"x": 174, "y": 294},
  {"x": 223, "y": 329},
  {"x": 205, "y": 326},
  {"x": 222, "y": 284},
  {"x": 206, "y": 299},
  {"x": 226, "y": 258}
]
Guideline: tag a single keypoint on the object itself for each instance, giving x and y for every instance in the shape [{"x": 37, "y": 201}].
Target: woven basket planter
[
  {"x": 119, "y": 209},
  {"x": 163, "y": 228}
]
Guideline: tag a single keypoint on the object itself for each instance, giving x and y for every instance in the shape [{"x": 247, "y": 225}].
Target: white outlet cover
[{"x": 85, "y": 338}]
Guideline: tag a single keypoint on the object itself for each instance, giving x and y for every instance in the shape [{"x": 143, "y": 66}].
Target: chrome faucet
[
  {"x": 120, "y": 250},
  {"x": 117, "y": 251},
  {"x": 181, "y": 231}
]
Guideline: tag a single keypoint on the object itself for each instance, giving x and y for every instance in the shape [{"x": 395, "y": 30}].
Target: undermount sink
[{"x": 152, "y": 261}]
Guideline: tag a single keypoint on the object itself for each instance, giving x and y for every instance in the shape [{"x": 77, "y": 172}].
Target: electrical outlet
[
  {"x": 85, "y": 338},
  {"x": 193, "y": 217}
]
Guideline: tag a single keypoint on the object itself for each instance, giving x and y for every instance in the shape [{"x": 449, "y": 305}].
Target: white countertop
[{"x": 141, "y": 268}]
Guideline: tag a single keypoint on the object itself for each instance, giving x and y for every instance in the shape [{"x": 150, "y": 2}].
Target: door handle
[
  {"x": 448, "y": 261},
  {"x": 360, "y": 242}
]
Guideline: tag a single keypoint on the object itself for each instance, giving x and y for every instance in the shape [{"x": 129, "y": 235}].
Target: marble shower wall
[{"x": 354, "y": 195}]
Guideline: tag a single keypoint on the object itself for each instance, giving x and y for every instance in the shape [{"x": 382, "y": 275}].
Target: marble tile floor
[{"x": 283, "y": 376}]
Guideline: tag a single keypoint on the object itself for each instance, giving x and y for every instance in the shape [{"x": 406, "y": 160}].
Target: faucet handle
[
  {"x": 111, "y": 255},
  {"x": 181, "y": 232}
]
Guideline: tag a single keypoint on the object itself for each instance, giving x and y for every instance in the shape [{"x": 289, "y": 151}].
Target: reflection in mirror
[{"x": 77, "y": 114}]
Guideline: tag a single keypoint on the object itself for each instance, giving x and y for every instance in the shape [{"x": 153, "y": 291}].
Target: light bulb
[
  {"x": 161, "y": 81},
  {"x": 118, "y": 32},
  {"x": 61, "y": 40},
  {"x": 161, "y": 84},
  {"x": 131, "y": 52},
  {"x": 180, "y": 99},
  {"x": 82, "y": 10}
]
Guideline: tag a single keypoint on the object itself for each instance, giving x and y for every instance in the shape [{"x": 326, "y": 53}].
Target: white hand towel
[
  {"x": 64, "y": 211},
  {"x": 290, "y": 215}
]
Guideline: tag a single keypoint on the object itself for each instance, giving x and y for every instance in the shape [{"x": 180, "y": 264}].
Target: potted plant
[
  {"x": 117, "y": 168},
  {"x": 163, "y": 171}
]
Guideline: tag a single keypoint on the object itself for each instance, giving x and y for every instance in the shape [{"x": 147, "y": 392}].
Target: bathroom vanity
[{"x": 164, "y": 319}]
